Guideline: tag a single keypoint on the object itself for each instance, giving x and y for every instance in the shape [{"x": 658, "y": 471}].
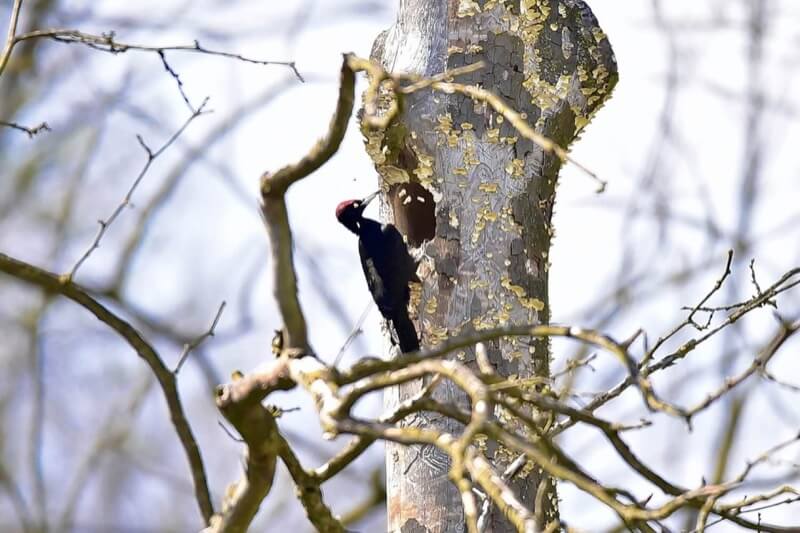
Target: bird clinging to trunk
[{"x": 387, "y": 266}]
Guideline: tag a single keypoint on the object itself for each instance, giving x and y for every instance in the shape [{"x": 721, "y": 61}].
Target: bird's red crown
[{"x": 344, "y": 205}]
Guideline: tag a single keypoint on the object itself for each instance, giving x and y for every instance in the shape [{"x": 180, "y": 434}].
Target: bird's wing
[
  {"x": 374, "y": 280},
  {"x": 406, "y": 266}
]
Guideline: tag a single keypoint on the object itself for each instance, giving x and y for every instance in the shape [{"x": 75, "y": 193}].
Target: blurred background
[{"x": 699, "y": 145}]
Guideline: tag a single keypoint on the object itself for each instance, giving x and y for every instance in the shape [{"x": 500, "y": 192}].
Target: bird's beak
[{"x": 369, "y": 198}]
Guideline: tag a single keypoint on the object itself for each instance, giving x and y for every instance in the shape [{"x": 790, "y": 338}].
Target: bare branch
[
  {"x": 11, "y": 38},
  {"x": 309, "y": 493},
  {"x": 786, "y": 331},
  {"x": 273, "y": 207},
  {"x": 107, "y": 43},
  {"x": 260, "y": 433},
  {"x": 588, "y": 336},
  {"x": 177, "y": 79},
  {"x": 739, "y": 310},
  {"x": 53, "y": 283}
]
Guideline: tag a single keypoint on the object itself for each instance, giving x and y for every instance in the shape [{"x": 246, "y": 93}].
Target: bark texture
[{"x": 486, "y": 264}]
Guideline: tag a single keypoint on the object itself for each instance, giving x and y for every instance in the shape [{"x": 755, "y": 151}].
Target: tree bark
[{"x": 484, "y": 241}]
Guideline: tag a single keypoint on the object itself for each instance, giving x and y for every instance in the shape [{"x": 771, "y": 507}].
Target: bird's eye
[{"x": 356, "y": 204}]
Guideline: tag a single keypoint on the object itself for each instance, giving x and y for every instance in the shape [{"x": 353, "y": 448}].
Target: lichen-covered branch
[{"x": 260, "y": 432}]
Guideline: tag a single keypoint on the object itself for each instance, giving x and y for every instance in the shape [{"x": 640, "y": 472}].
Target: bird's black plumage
[{"x": 388, "y": 268}]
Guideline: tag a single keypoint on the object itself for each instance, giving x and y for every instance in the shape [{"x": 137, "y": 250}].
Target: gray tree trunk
[{"x": 485, "y": 263}]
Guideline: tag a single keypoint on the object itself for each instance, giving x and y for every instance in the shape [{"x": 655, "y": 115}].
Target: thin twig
[
  {"x": 786, "y": 282},
  {"x": 126, "y": 201},
  {"x": 693, "y": 310},
  {"x": 107, "y": 43},
  {"x": 759, "y": 362},
  {"x": 755, "y": 282},
  {"x": 353, "y": 334},
  {"x": 31, "y": 131},
  {"x": 177, "y": 79},
  {"x": 189, "y": 346}
]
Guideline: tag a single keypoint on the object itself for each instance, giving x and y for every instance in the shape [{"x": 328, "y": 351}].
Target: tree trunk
[{"x": 484, "y": 231}]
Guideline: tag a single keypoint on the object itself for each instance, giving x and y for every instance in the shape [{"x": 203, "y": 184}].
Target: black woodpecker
[{"x": 387, "y": 266}]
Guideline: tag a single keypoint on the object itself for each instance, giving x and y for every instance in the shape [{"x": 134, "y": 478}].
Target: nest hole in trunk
[{"x": 414, "y": 212}]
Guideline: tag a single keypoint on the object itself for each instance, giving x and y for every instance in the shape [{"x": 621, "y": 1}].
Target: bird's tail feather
[{"x": 406, "y": 333}]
